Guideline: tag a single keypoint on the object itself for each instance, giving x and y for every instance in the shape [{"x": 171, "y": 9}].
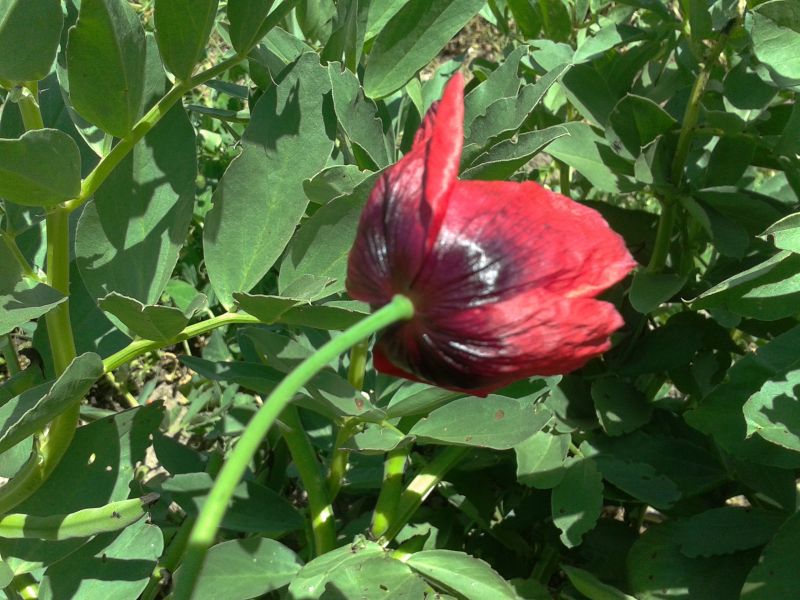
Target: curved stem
[
  {"x": 210, "y": 517},
  {"x": 145, "y": 124},
  {"x": 421, "y": 486},
  {"x": 323, "y": 525},
  {"x": 139, "y": 347}
]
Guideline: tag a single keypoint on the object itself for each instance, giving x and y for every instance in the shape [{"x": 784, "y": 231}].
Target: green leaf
[
  {"x": 33, "y": 409},
  {"x": 768, "y": 291},
  {"x": 774, "y": 413},
  {"x": 285, "y": 143},
  {"x": 638, "y": 479},
  {"x": 358, "y": 118},
  {"x": 650, "y": 290},
  {"x": 376, "y": 439},
  {"x": 620, "y": 407},
  {"x": 253, "y": 509},
  {"x": 411, "y": 39},
  {"x": 129, "y": 236},
  {"x": 605, "y": 39},
  {"x": 728, "y": 236},
  {"x": 21, "y": 298},
  {"x": 526, "y": 16},
  {"x": 418, "y": 399},
  {"x": 725, "y": 530},
  {"x": 657, "y": 569},
  {"x": 323, "y": 243},
  {"x": 30, "y": 31},
  {"x": 468, "y": 577},
  {"x": 589, "y": 154},
  {"x": 506, "y": 115},
  {"x": 103, "y": 455},
  {"x": 114, "y": 565},
  {"x": 775, "y": 575},
  {"x": 775, "y": 33},
  {"x": 251, "y": 20},
  {"x": 310, "y": 582},
  {"x": 637, "y": 121},
  {"x": 377, "y": 577},
  {"x": 245, "y": 568},
  {"x": 540, "y": 459},
  {"x": 106, "y": 58},
  {"x": 182, "y": 30},
  {"x": 268, "y": 309},
  {"x": 576, "y": 502},
  {"x": 785, "y": 234},
  {"x": 720, "y": 413},
  {"x": 493, "y": 422},
  {"x": 503, "y": 82},
  {"x": 251, "y": 375},
  {"x": 591, "y": 587},
  {"x": 502, "y": 160},
  {"x": 332, "y": 182},
  {"x": 42, "y": 168},
  {"x": 159, "y": 323}
]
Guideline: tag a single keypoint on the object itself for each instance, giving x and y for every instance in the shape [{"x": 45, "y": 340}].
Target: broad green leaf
[
  {"x": 42, "y": 168},
  {"x": 245, "y": 568},
  {"x": 638, "y": 479},
  {"x": 636, "y": 121},
  {"x": 21, "y": 298},
  {"x": 589, "y": 92},
  {"x": 747, "y": 91},
  {"x": 33, "y": 409},
  {"x": 378, "y": 577},
  {"x": 268, "y": 309},
  {"x": 182, "y": 30},
  {"x": 527, "y": 17},
  {"x": 556, "y": 20},
  {"x": 650, "y": 290},
  {"x": 775, "y": 575},
  {"x": 493, "y": 422},
  {"x": 725, "y": 530},
  {"x": 323, "y": 243},
  {"x": 251, "y": 20},
  {"x": 335, "y": 315},
  {"x": 104, "y": 455},
  {"x": 159, "y": 323},
  {"x": 418, "y": 399},
  {"x": 116, "y": 565},
  {"x": 589, "y": 154},
  {"x": 577, "y": 500},
  {"x": 502, "y": 160},
  {"x": 591, "y": 587},
  {"x": 129, "y": 236},
  {"x": 657, "y": 569},
  {"x": 286, "y": 142},
  {"x": 379, "y": 13},
  {"x": 774, "y": 412},
  {"x": 332, "y": 182},
  {"x": 251, "y": 375},
  {"x": 768, "y": 291},
  {"x": 253, "y": 509},
  {"x": 310, "y": 582},
  {"x": 469, "y": 577},
  {"x": 411, "y": 39},
  {"x": 540, "y": 459},
  {"x": 376, "y": 439},
  {"x": 606, "y": 38},
  {"x": 775, "y": 32},
  {"x": 106, "y": 58},
  {"x": 729, "y": 160},
  {"x": 503, "y": 82},
  {"x": 785, "y": 234},
  {"x": 30, "y": 31},
  {"x": 720, "y": 413},
  {"x": 6, "y": 574},
  {"x": 506, "y": 115},
  {"x": 620, "y": 407},
  {"x": 358, "y": 118},
  {"x": 728, "y": 236}
]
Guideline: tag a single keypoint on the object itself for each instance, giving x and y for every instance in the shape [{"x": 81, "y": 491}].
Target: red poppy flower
[{"x": 503, "y": 276}]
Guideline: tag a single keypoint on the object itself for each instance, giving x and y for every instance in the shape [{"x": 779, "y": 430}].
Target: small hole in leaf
[{"x": 499, "y": 415}]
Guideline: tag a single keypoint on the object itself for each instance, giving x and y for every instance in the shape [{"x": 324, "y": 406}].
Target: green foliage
[{"x": 180, "y": 186}]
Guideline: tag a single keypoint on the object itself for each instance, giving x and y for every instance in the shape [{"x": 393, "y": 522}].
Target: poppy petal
[
  {"x": 406, "y": 208},
  {"x": 499, "y": 239},
  {"x": 486, "y": 347}
]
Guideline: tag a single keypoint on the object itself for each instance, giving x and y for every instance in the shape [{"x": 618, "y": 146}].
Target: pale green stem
[{"x": 210, "y": 517}]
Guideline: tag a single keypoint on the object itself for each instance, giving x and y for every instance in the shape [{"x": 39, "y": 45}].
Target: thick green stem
[
  {"x": 323, "y": 525},
  {"x": 144, "y": 125},
  {"x": 10, "y": 355},
  {"x": 422, "y": 485},
  {"x": 393, "y": 468},
  {"x": 139, "y": 347},
  {"x": 210, "y": 517},
  {"x": 666, "y": 222}
]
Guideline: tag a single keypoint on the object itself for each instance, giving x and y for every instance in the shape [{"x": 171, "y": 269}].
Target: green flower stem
[
  {"x": 422, "y": 485},
  {"x": 213, "y": 510},
  {"x": 323, "y": 525},
  {"x": 144, "y": 125},
  {"x": 340, "y": 455},
  {"x": 393, "y": 468},
  {"x": 139, "y": 347},
  {"x": 669, "y": 207}
]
